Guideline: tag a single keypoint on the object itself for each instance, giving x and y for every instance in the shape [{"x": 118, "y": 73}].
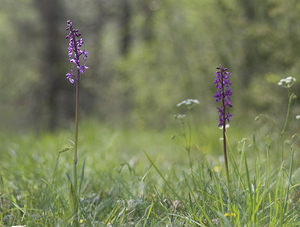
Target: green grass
[{"x": 142, "y": 177}]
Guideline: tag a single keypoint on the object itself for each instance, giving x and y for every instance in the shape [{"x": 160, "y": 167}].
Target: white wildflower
[
  {"x": 287, "y": 82},
  {"x": 298, "y": 117},
  {"x": 188, "y": 102}
]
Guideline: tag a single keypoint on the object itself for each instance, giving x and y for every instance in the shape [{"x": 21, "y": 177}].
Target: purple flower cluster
[
  {"x": 223, "y": 84},
  {"x": 74, "y": 48}
]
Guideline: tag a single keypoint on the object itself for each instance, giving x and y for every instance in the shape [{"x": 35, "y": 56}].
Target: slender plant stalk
[
  {"x": 225, "y": 154},
  {"x": 224, "y": 136},
  {"x": 188, "y": 146},
  {"x": 291, "y": 98},
  {"x": 75, "y": 158}
]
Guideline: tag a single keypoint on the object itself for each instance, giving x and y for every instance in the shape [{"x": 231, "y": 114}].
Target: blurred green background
[{"x": 145, "y": 56}]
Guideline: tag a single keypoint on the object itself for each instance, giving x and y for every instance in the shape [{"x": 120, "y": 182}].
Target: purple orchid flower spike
[
  {"x": 223, "y": 84},
  {"x": 74, "y": 52}
]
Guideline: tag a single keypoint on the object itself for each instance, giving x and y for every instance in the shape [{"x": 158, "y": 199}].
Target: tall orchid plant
[
  {"x": 75, "y": 54},
  {"x": 223, "y": 85}
]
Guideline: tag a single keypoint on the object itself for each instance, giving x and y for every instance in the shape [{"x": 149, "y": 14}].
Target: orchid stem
[
  {"x": 225, "y": 154},
  {"x": 75, "y": 158}
]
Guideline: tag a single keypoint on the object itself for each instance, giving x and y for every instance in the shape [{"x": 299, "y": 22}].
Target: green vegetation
[{"x": 143, "y": 177}]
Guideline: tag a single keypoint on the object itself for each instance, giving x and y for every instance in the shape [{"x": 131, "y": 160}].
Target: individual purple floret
[
  {"x": 223, "y": 84},
  {"x": 75, "y": 52}
]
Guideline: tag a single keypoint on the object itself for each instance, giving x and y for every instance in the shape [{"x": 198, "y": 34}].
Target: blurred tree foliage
[{"x": 144, "y": 57}]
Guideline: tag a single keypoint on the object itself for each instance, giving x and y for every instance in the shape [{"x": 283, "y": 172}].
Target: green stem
[
  {"x": 75, "y": 158},
  {"x": 287, "y": 114},
  {"x": 291, "y": 98},
  {"x": 225, "y": 154},
  {"x": 188, "y": 146}
]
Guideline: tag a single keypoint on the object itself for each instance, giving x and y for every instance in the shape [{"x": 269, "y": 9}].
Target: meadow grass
[{"x": 142, "y": 177}]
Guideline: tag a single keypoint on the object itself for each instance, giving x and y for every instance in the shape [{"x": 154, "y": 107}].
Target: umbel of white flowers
[
  {"x": 188, "y": 102},
  {"x": 287, "y": 82}
]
